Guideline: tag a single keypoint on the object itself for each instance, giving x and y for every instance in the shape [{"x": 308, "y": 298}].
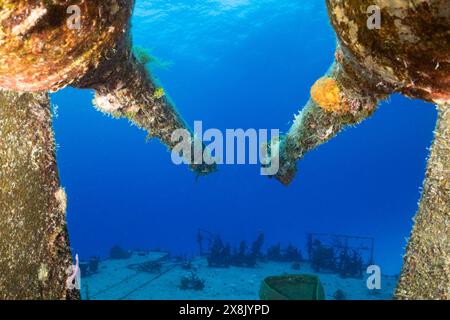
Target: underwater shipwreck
[
  {"x": 331, "y": 267},
  {"x": 40, "y": 53}
]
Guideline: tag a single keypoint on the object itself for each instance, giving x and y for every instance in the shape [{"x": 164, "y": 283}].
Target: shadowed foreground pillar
[
  {"x": 35, "y": 256},
  {"x": 426, "y": 268}
]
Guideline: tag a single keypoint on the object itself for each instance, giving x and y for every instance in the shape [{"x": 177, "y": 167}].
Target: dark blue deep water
[{"x": 239, "y": 64}]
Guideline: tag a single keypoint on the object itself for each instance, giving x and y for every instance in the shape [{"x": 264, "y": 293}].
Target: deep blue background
[{"x": 239, "y": 64}]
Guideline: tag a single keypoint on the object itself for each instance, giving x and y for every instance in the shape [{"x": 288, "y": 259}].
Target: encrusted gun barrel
[
  {"x": 47, "y": 45},
  {"x": 407, "y": 53},
  {"x": 337, "y": 100},
  {"x": 410, "y": 52},
  {"x": 124, "y": 88}
]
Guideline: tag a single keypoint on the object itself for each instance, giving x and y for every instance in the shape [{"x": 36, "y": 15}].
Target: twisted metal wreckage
[{"x": 409, "y": 54}]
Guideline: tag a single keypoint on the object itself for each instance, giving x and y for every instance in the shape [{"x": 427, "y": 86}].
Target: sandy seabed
[{"x": 115, "y": 281}]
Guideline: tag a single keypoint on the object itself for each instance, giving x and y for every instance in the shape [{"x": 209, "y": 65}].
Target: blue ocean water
[{"x": 239, "y": 64}]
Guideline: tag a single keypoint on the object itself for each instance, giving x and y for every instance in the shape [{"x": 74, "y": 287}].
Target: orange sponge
[{"x": 326, "y": 93}]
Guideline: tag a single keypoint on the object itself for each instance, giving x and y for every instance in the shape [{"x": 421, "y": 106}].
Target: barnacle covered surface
[
  {"x": 39, "y": 50},
  {"x": 409, "y": 53},
  {"x": 132, "y": 93},
  {"x": 426, "y": 268},
  {"x": 34, "y": 247}
]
